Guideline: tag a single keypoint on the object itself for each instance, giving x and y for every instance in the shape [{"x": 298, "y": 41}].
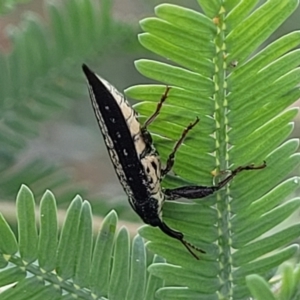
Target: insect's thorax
[{"x": 148, "y": 208}]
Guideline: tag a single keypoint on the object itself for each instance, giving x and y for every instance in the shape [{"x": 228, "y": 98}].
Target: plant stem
[{"x": 222, "y": 159}]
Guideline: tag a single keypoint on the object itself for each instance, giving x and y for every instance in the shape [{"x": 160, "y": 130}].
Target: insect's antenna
[
  {"x": 188, "y": 246},
  {"x": 179, "y": 236}
]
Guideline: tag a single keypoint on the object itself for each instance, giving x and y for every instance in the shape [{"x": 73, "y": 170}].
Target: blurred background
[{"x": 48, "y": 133}]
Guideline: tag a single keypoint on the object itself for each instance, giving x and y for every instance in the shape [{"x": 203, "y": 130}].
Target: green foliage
[
  {"x": 242, "y": 99},
  {"x": 71, "y": 264},
  {"x": 284, "y": 287},
  {"x": 40, "y": 77},
  {"x": 8, "y": 5},
  {"x": 216, "y": 72}
]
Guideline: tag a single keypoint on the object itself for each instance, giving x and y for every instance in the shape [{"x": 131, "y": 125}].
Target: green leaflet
[
  {"x": 7, "y": 239},
  {"x": 265, "y": 223},
  {"x": 181, "y": 293},
  {"x": 28, "y": 238},
  {"x": 239, "y": 12},
  {"x": 270, "y": 200},
  {"x": 185, "y": 18},
  {"x": 179, "y": 96},
  {"x": 283, "y": 159},
  {"x": 196, "y": 62},
  {"x": 100, "y": 265},
  {"x": 256, "y": 249},
  {"x": 259, "y": 288},
  {"x": 186, "y": 278},
  {"x": 138, "y": 276},
  {"x": 48, "y": 231},
  {"x": 83, "y": 259},
  {"x": 274, "y": 132},
  {"x": 159, "y": 28},
  {"x": 263, "y": 265},
  {"x": 175, "y": 76},
  {"x": 289, "y": 281},
  {"x": 268, "y": 16},
  {"x": 120, "y": 270},
  {"x": 65, "y": 262},
  {"x": 266, "y": 56},
  {"x": 154, "y": 283}
]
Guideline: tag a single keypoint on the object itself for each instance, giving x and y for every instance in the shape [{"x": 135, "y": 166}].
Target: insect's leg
[
  {"x": 194, "y": 192},
  {"x": 179, "y": 236},
  {"x": 171, "y": 158},
  {"x": 158, "y": 108},
  {"x": 238, "y": 170}
]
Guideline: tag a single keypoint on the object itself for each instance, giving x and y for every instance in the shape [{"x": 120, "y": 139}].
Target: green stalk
[{"x": 222, "y": 159}]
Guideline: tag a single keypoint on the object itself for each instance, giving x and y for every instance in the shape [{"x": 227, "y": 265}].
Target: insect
[{"x": 135, "y": 159}]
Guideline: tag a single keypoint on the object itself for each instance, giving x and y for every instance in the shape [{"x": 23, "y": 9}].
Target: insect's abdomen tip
[
  {"x": 85, "y": 68},
  {"x": 90, "y": 76}
]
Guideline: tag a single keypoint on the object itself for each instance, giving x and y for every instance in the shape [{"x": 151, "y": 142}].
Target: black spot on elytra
[{"x": 154, "y": 165}]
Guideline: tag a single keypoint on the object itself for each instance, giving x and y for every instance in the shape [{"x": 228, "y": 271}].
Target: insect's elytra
[{"x": 135, "y": 159}]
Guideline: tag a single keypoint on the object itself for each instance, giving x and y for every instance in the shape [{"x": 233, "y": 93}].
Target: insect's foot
[{"x": 253, "y": 167}]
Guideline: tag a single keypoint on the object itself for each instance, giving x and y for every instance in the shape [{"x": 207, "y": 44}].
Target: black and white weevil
[{"x": 135, "y": 159}]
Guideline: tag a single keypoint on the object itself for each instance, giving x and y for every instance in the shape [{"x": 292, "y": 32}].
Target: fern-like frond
[
  {"x": 284, "y": 286},
  {"x": 37, "y": 175},
  {"x": 45, "y": 264},
  {"x": 36, "y": 80},
  {"x": 242, "y": 101},
  {"x": 41, "y": 76}
]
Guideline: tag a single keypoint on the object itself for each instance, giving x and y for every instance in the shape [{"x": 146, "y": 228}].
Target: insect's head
[{"x": 149, "y": 214}]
